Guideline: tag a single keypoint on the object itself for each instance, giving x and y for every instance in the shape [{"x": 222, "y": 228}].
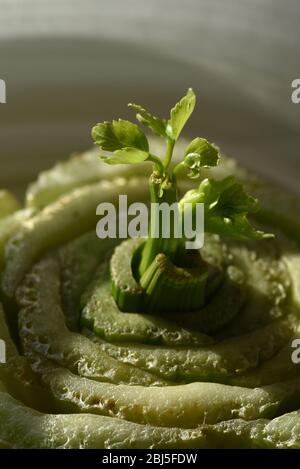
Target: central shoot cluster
[{"x": 164, "y": 271}]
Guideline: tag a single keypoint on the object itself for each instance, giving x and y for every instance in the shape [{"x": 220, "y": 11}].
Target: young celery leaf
[
  {"x": 226, "y": 207},
  {"x": 157, "y": 125},
  {"x": 227, "y": 197},
  {"x": 200, "y": 154},
  {"x": 237, "y": 227},
  {"x": 127, "y": 155},
  {"x": 180, "y": 114},
  {"x": 115, "y": 135}
]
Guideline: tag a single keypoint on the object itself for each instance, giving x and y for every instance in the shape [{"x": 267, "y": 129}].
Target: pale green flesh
[
  {"x": 16, "y": 374},
  {"x": 9, "y": 225},
  {"x": 182, "y": 405},
  {"x": 8, "y": 204},
  {"x": 26, "y": 428},
  {"x": 112, "y": 324},
  {"x": 79, "y": 261},
  {"x": 222, "y": 363},
  {"x": 66, "y": 218},
  {"x": 43, "y": 331},
  {"x": 202, "y": 381}
]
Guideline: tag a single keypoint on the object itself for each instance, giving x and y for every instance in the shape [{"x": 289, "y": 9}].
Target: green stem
[
  {"x": 169, "y": 153},
  {"x": 161, "y": 191},
  {"x": 169, "y": 288},
  {"x": 158, "y": 165}
]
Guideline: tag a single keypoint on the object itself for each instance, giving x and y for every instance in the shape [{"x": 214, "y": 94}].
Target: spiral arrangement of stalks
[{"x": 80, "y": 373}]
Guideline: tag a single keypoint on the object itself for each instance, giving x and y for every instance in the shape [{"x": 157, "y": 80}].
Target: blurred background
[{"x": 71, "y": 63}]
